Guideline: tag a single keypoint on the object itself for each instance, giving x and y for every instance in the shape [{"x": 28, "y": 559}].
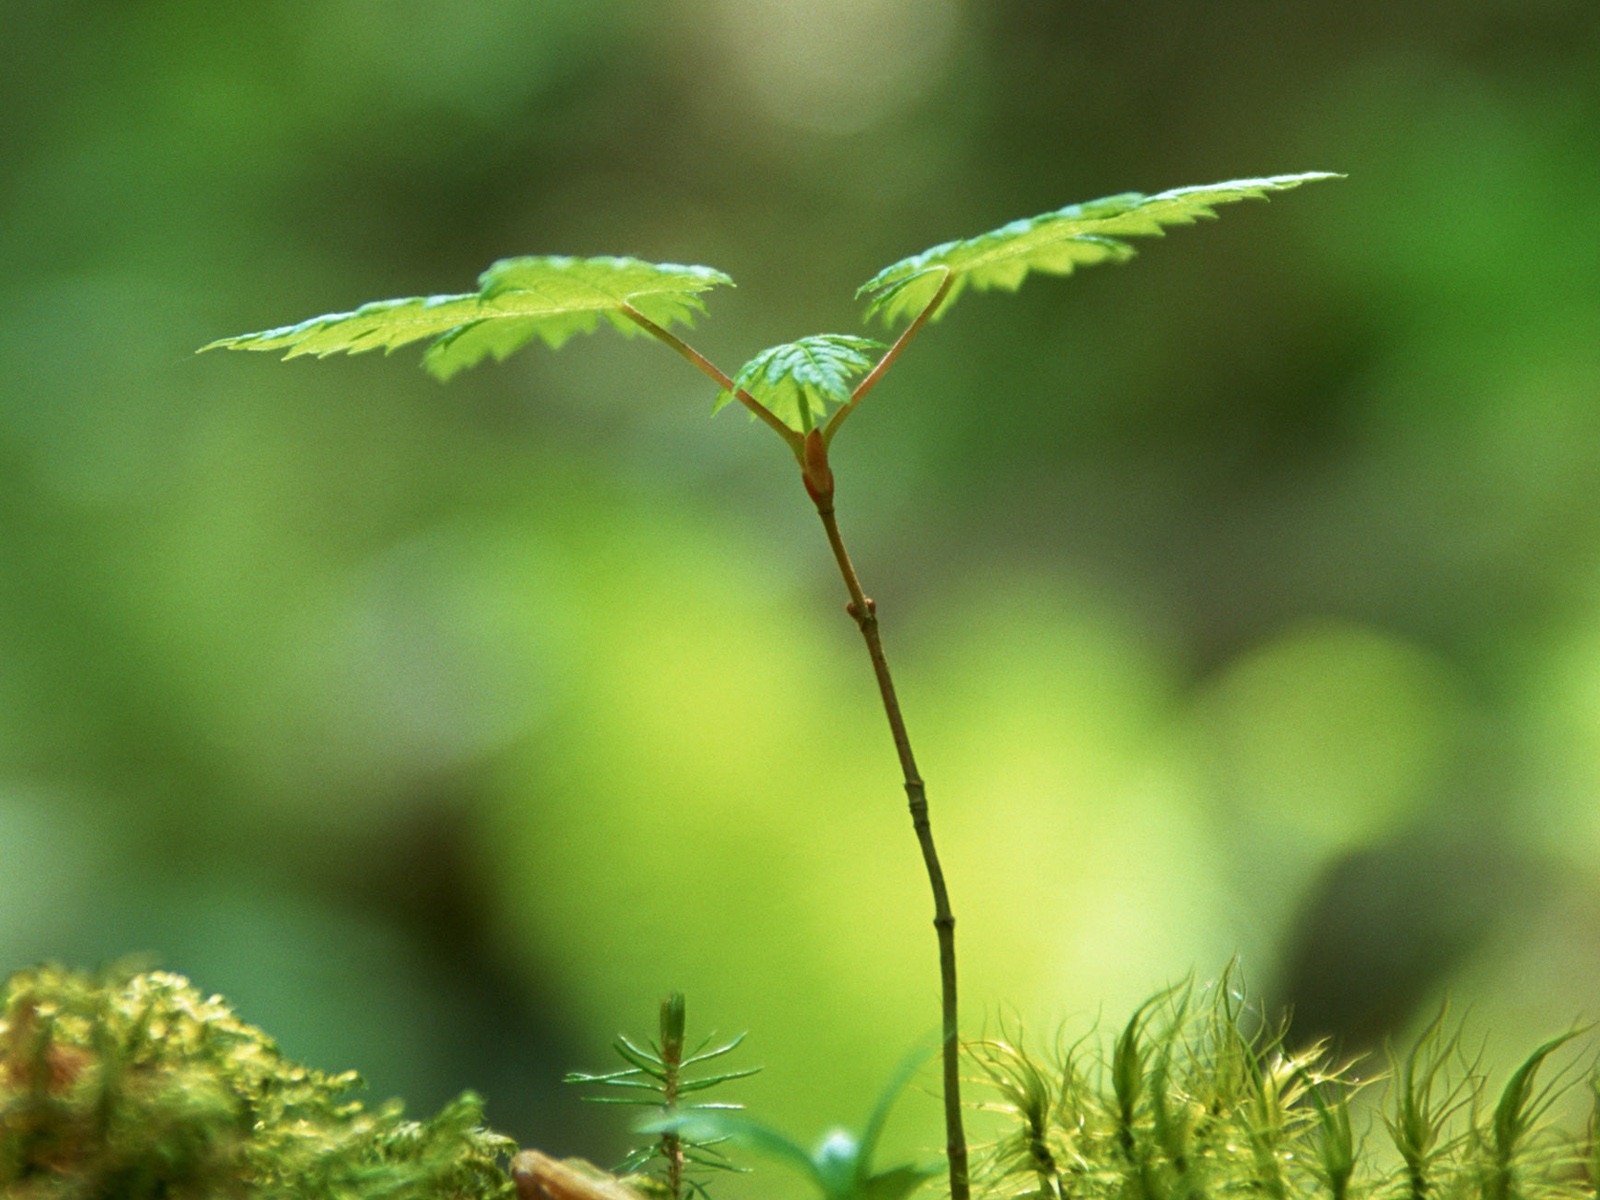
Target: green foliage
[
  {"x": 655, "y": 1078},
  {"x": 1425, "y": 1099},
  {"x": 840, "y": 1166},
  {"x": 553, "y": 298},
  {"x": 797, "y": 381},
  {"x": 791, "y": 388},
  {"x": 1199, "y": 1098},
  {"x": 139, "y": 1088},
  {"x": 518, "y": 299},
  {"x": 1335, "y": 1136},
  {"x": 1056, "y": 243},
  {"x": 1591, "y": 1161},
  {"x": 1521, "y": 1110},
  {"x": 1029, "y": 1096}
]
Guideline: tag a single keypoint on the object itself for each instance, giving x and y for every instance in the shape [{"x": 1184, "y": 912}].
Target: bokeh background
[{"x": 1244, "y": 600}]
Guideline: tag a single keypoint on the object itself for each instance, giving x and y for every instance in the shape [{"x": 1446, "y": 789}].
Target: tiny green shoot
[
  {"x": 656, "y": 1078},
  {"x": 840, "y": 1165}
]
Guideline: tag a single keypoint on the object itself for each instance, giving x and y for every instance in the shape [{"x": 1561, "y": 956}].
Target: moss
[
  {"x": 134, "y": 1086},
  {"x": 1200, "y": 1098}
]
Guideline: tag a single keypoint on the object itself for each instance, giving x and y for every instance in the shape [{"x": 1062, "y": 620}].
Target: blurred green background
[{"x": 1243, "y": 600}]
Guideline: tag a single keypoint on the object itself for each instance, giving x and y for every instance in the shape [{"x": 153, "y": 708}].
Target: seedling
[
  {"x": 656, "y": 1078},
  {"x": 803, "y": 391},
  {"x": 839, "y": 1167}
]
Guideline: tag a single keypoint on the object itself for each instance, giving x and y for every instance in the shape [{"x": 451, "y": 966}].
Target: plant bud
[
  {"x": 672, "y": 1022},
  {"x": 814, "y": 467}
]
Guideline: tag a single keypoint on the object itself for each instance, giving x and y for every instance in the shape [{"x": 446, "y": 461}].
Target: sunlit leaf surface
[
  {"x": 518, "y": 299},
  {"x": 1056, "y": 243}
]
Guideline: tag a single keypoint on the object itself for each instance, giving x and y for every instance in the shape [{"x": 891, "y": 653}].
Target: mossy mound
[{"x": 137, "y": 1087}]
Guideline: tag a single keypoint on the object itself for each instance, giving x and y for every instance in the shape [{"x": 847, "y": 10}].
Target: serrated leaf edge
[
  {"x": 496, "y": 285},
  {"x": 766, "y": 371},
  {"x": 881, "y": 290}
]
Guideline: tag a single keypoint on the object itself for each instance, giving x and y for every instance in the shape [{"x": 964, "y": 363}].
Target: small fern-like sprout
[
  {"x": 1195, "y": 1098},
  {"x": 1424, "y": 1102},
  {"x": 1059, "y": 1143},
  {"x": 1177, "y": 1119},
  {"x": 1028, "y": 1097},
  {"x": 1336, "y": 1146},
  {"x": 1136, "y": 1071},
  {"x": 655, "y": 1079},
  {"x": 1518, "y": 1115},
  {"x": 840, "y": 1166},
  {"x": 1591, "y": 1144},
  {"x": 1277, "y": 1110},
  {"x": 1591, "y": 1149}
]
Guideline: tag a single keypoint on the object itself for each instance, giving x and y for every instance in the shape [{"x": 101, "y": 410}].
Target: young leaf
[
  {"x": 1055, "y": 242},
  {"x": 841, "y": 1164},
  {"x": 1517, "y": 1117},
  {"x": 518, "y": 299},
  {"x": 797, "y": 381}
]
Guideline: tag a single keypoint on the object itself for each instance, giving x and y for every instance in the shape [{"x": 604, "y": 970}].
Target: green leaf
[
  {"x": 898, "y": 1183},
  {"x": 1056, "y": 243},
  {"x": 704, "y": 1128},
  {"x": 585, "y": 1077},
  {"x": 841, "y": 1164},
  {"x": 904, "y": 1072},
  {"x": 797, "y": 381},
  {"x": 701, "y": 1054},
  {"x": 643, "y": 1059},
  {"x": 518, "y": 299},
  {"x": 710, "y": 1081},
  {"x": 1520, "y": 1106}
]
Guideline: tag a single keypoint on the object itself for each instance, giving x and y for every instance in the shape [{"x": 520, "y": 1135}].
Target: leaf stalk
[
  {"x": 870, "y": 380},
  {"x": 792, "y": 439}
]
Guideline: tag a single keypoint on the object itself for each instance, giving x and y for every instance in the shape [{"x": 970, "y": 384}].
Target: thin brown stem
[
  {"x": 865, "y": 615},
  {"x": 720, "y": 377},
  {"x": 811, "y": 450},
  {"x": 671, "y": 1143},
  {"x": 870, "y": 380}
]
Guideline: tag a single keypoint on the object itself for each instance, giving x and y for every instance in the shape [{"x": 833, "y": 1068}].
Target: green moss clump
[
  {"x": 136, "y": 1087},
  {"x": 1198, "y": 1097}
]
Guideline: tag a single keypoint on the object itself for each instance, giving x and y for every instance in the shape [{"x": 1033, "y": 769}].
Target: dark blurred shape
[
  {"x": 505, "y": 1033},
  {"x": 1385, "y": 926}
]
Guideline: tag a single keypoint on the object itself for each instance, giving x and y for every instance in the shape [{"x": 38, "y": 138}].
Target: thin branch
[
  {"x": 864, "y": 613},
  {"x": 720, "y": 377},
  {"x": 870, "y": 380}
]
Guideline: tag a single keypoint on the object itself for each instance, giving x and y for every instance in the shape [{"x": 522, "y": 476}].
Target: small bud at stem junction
[{"x": 814, "y": 467}]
